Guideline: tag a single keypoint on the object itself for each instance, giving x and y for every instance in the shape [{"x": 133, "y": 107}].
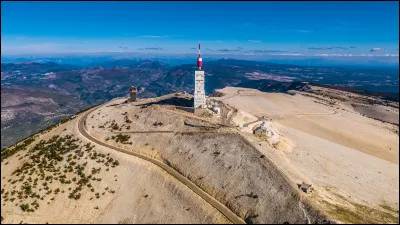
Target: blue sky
[{"x": 264, "y": 28}]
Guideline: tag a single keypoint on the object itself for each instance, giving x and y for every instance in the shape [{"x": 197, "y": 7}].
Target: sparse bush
[
  {"x": 122, "y": 138},
  {"x": 115, "y": 163},
  {"x": 157, "y": 123},
  {"x": 115, "y": 126},
  {"x": 7, "y": 152},
  {"x": 127, "y": 120},
  {"x": 24, "y": 207},
  {"x": 43, "y": 163}
]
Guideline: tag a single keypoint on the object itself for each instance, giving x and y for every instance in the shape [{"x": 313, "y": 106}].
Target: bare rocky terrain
[
  {"x": 216, "y": 159},
  {"x": 350, "y": 159}
]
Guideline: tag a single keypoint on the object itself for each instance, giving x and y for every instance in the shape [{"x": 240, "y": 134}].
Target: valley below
[{"x": 38, "y": 94}]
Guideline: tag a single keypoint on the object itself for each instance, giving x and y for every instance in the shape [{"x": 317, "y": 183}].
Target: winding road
[{"x": 216, "y": 204}]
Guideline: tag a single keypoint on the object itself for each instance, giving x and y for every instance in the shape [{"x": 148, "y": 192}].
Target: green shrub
[{"x": 24, "y": 207}]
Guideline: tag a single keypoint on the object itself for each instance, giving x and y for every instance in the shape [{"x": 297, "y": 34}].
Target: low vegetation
[
  {"x": 61, "y": 159},
  {"x": 127, "y": 120},
  {"x": 157, "y": 124},
  {"x": 122, "y": 138},
  {"x": 7, "y": 152},
  {"x": 358, "y": 213}
]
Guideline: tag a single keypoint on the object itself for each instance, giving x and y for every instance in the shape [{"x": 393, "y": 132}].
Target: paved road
[
  {"x": 169, "y": 132},
  {"x": 279, "y": 115},
  {"x": 219, "y": 206}
]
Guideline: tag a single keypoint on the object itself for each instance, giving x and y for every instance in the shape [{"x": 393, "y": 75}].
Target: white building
[{"x": 199, "y": 92}]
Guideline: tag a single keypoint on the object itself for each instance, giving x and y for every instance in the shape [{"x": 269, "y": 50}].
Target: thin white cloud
[
  {"x": 376, "y": 49},
  {"x": 268, "y": 51},
  {"x": 324, "y": 54},
  {"x": 152, "y": 36},
  {"x": 392, "y": 55},
  {"x": 154, "y": 48},
  {"x": 255, "y": 41},
  {"x": 303, "y": 31},
  {"x": 289, "y": 54},
  {"x": 329, "y": 48},
  {"x": 20, "y": 38},
  {"x": 228, "y": 50},
  {"x": 32, "y": 48},
  {"x": 160, "y": 36},
  {"x": 356, "y": 55},
  {"x": 246, "y": 24}
]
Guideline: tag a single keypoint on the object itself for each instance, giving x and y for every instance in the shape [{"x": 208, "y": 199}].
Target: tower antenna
[
  {"x": 199, "y": 60},
  {"x": 199, "y": 50}
]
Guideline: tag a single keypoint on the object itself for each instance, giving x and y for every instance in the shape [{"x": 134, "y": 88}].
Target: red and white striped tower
[
  {"x": 199, "y": 91},
  {"x": 199, "y": 60}
]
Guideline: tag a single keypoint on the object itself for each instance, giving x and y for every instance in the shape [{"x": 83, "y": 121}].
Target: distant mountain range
[
  {"x": 89, "y": 59},
  {"x": 55, "y": 89}
]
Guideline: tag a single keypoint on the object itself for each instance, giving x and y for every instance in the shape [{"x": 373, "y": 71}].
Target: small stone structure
[
  {"x": 307, "y": 188},
  {"x": 265, "y": 130},
  {"x": 133, "y": 93},
  {"x": 260, "y": 131}
]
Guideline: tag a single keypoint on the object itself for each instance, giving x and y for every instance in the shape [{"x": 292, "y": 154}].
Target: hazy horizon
[{"x": 347, "y": 32}]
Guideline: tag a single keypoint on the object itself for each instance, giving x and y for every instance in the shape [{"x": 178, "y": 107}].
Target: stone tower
[{"x": 133, "y": 93}]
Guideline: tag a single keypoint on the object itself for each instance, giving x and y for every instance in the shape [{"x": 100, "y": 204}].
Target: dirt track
[{"x": 220, "y": 207}]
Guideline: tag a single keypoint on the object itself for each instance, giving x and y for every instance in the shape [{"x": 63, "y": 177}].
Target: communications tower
[{"x": 199, "y": 92}]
